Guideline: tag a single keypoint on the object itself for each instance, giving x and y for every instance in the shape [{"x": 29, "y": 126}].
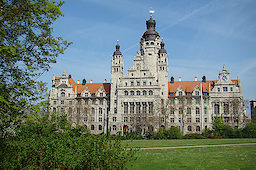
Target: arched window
[
  {"x": 62, "y": 94},
  {"x": 198, "y": 128},
  {"x": 138, "y": 93},
  {"x": 114, "y": 127},
  {"x": 197, "y": 111},
  {"x": 93, "y": 110},
  {"x": 180, "y": 110},
  {"x": 150, "y": 92},
  {"x": 100, "y": 127},
  {"x": 144, "y": 92},
  {"x": 126, "y": 93},
  {"x": 189, "y": 110},
  {"x": 189, "y": 128},
  {"x": 92, "y": 127}
]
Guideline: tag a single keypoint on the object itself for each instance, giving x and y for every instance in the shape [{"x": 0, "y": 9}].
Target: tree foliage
[
  {"x": 50, "y": 144},
  {"x": 27, "y": 48}
]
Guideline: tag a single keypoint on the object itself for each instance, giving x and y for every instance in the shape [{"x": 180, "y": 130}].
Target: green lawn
[
  {"x": 231, "y": 157},
  {"x": 183, "y": 142}
]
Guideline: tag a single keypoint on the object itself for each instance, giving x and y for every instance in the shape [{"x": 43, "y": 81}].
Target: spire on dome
[
  {"x": 150, "y": 34},
  {"x": 117, "y": 52},
  {"x": 224, "y": 67}
]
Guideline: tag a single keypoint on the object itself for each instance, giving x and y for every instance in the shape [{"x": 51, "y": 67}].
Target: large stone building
[{"x": 144, "y": 100}]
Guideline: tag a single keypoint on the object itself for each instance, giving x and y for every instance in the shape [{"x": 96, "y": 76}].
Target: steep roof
[
  {"x": 188, "y": 86},
  {"x": 92, "y": 87}
]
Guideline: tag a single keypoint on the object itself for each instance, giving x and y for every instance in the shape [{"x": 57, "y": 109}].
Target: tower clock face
[{"x": 224, "y": 78}]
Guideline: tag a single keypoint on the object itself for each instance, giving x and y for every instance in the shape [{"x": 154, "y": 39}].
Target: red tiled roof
[
  {"x": 92, "y": 87},
  {"x": 188, "y": 86}
]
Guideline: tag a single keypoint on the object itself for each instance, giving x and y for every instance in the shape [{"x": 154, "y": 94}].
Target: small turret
[{"x": 162, "y": 50}]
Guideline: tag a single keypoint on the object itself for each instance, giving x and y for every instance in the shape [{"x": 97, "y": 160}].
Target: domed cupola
[
  {"x": 117, "y": 52},
  {"x": 150, "y": 34},
  {"x": 162, "y": 50}
]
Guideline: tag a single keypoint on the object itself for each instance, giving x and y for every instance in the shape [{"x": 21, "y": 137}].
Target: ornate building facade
[{"x": 144, "y": 100}]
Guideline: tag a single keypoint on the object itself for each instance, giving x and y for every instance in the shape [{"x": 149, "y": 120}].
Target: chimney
[
  {"x": 172, "y": 79},
  {"x": 105, "y": 81},
  {"x": 91, "y": 81},
  {"x": 84, "y": 82},
  {"x": 179, "y": 78},
  {"x": 195, "y": 78},
  {"x": 78, "y": 82},
  {"x": 203, "y": 79}
]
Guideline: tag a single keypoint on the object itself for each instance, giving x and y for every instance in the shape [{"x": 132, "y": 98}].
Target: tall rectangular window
[
  {"x": 137, "y": 108},
  {"x": 125, "y": 107},
  {"x": 131, "y": 107},
  {"x": 216, "y": 108},
  {"x": 144, "y": 108},
  {"x": 150, "y": 107}
]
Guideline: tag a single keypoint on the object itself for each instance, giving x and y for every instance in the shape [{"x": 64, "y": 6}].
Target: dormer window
[
  {"x": 62, "y": 94},
  {"x": 197, "y": 93},
  {"x": 101, "y": 94},
  {"x": 225, "y": 89},
  {"x": 132, "y": 93},
  {"x": 231, "y": 88},
  {"x": 180, "y": 93},
  {"x": 86, "y": 94},
  {"x": 171, "y": 94}
]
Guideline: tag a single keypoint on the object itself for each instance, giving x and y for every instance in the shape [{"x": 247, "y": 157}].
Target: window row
[
  {"x": 189, "y": 128},
  {"x": 188, "y": 110},
  {"x": 81, "y": 101},
  {"x": 225, "y": 89},
  {"x": 138, "y": 83},
  {"x": 100, "y": 127},
  {"x": 138, "y": 107},
  {"x": 188, "y": 100},
  {"x": 138, "y": 93}
]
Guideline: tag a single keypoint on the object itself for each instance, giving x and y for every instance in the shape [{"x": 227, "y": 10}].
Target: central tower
[{"x": 137, "y": 97}]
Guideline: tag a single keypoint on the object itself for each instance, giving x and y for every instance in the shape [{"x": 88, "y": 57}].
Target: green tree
[
  {"x": 27, "y": 48},
  {"x": 249, "y": 131},
  {"x": 53, "y": 144},
  {"x": 218, "y": 126}
]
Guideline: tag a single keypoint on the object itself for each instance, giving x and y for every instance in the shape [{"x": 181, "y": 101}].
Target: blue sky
[{"x": 200, "y": 36}]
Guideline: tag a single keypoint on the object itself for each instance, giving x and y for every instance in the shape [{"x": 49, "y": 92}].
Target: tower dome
[{"x": 150, "y": 34}]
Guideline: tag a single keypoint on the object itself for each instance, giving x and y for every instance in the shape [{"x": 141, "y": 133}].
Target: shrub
[
  {"x": 173, "y": 133},
  {"x": 249, "y": 130},
  {"x": 193, "y": 136},
  {"x": 45, "y": 145}
]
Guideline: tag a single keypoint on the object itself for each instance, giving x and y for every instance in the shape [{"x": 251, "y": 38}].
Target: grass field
[
  {"x": 183, "y": 142},
  {"x": 231, "y": 157},
  {"x": 228, "y": 157}
]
